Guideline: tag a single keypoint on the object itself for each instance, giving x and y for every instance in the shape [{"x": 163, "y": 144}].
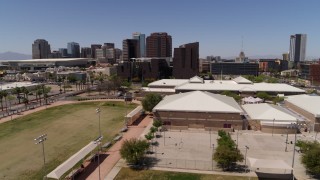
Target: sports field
[{"x": 68, "y": 128}]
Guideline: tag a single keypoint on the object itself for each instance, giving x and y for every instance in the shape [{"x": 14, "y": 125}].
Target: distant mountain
[{"x": 14, "y": 56}]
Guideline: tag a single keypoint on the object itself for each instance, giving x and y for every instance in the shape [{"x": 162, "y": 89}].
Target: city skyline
[{"x": 218, "y": 26}]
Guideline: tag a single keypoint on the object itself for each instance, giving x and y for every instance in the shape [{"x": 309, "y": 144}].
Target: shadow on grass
[
  {"x": 270, "y": 176},
  {"x": 147, "y": 163},
  {"x": 91, "y": 168}
]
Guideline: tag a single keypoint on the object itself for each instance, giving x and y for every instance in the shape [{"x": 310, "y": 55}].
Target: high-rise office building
[
  {"x": 298, "y": 44},
  {"x": 130, "y": 49},
  {"x": 285, "y": 56},
  {"x": 109, "y": 45},
  {"x": 159, "y": 45},
  {"x": 93, "y": 49},
  {"x": 63, "y": 52},
  {"x": 142, "y": 42},
  {"x": 85, "y": 52},
  {"x": 74, "y": 50},
  {"x": 186, "y": 61},
  {"x": 40, "y": 49}
]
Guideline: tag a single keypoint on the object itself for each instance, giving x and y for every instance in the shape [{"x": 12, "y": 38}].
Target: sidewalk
[{"x": 113, "y": 153}]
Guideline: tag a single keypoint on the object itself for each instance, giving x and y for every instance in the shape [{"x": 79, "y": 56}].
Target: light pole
[
  {"x": 287, "y": 140},
  {"x": 40, "y": 140},
  {"x": 210, "y": 137},
  {"x": 295, "y": 126},
  {"x": 99, "y": 139},
  {"x": 98, "y": 112},
  {"x": 273, "y": 126},
  {"x": 237, "y": 136},
  {"x": 99, "y": 147},
  {"x": 245, "y": 157}
]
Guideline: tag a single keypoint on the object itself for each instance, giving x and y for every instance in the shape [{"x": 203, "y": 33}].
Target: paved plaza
[{"x": 192, "y": 149}]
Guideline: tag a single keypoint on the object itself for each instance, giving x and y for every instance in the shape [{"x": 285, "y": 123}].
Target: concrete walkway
[{"x": 114, "y": 152}]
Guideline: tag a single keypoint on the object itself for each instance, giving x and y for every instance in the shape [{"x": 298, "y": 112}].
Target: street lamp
[
  {"x": 237, "y": 135},
  {"x": 273, "y": 126},
  {"x": 98, "y": 140},
  {"x": 98, "y": 112},
  {"x": 210, "y": 137},
  {"x": 245, "y": 159},
  {"x": 40, "y": 140},
  {"x": 287, "y": 140},
  {"x": 295, "y": 126}
]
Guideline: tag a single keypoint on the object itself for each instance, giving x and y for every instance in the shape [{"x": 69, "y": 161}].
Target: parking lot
[{"x": 192, "y": 149}]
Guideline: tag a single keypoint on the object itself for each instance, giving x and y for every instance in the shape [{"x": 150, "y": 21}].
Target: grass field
[
  {"x": 68, "y": 128},
  {"x": 129, "y": 174}
]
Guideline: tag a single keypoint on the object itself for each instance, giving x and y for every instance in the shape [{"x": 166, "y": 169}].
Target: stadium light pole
[
  {"x": 98, "y": 112},
  {"x": 99, "y": 140},
  {"x": 245, "y": 159},
  {"x": 40, "y": 140}
]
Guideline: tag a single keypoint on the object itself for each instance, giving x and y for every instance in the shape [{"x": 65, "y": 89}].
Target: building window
[{"x": 226, "y": 125}]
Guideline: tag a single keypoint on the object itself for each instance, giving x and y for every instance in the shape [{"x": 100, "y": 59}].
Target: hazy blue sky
[{"x": 217, "y": 24}]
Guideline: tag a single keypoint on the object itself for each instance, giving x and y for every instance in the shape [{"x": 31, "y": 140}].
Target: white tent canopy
[
  {"x": 268, "y": 163},
  {"x": 68, "y": 164},
  {"x": 251, "y": 100}
]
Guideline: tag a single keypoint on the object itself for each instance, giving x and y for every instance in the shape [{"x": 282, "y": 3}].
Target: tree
[
  {"x": 5, "y": 95},
  {"x": 17, "y": 91},
  {"x": 226, "y": 153},
  {"x": 157, "y": 123},
  {"x": 235, "y": 96},
  {"x": 1, "y": 99},
  {"x": 263, "y": 95},
  {"x": 150, "y": 101},
  {"x": 133, "y": 150},
  {"x": 25, "y": 101},
  {"x": 310, "y": 156}
]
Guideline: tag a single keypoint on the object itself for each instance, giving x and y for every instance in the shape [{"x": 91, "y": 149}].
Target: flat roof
[
  {"x": 237, "y": 84},
  {"x": 7, "y": 86},
  {"x": 217, "y": 85},
  {"x": 306, "y": 102},
  {"x": 168, "y": 82},
  {"x": 46, "y": 60}
]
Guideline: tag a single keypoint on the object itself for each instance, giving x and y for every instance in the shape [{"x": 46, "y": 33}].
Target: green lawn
[
  {"x": 68, "y": 128},
  {"x": 129, "y": 174}
]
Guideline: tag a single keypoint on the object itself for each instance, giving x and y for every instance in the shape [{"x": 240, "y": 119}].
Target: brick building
[{"x": 199, "y": 109}]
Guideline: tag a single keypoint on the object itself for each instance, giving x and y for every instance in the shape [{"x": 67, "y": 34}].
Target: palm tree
[
  {"x": 39, "y": 91},
  {"x": 17, "y": 91},
  {"x": 26, "y": 102},
  {"x": 46, "y": 90},
  {"x": 1, "y": 99},
  {"x": 5, "y": 94},
  {"x": 25, "y": 92}
]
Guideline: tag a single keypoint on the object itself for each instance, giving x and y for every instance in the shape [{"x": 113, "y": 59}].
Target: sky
[{"x": 218, "y": 25}]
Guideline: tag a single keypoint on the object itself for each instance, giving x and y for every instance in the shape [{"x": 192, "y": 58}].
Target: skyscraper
[
  {"x": 108, "y": 45},
  {"x": 298, "y": 48},
  {"x": 142, "y": 42},
  {"x": 186, "y": 61},
  {"x": 74, "y": 50},
  {"x": 130, "y": 49},
  {"x": 93, "y": 49},
  {"x": 64, "y": 52},
  {"x": 159, "y": 45},
  {"x": 85, "y": 52},
  {"x": 40, "y": 49}
]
